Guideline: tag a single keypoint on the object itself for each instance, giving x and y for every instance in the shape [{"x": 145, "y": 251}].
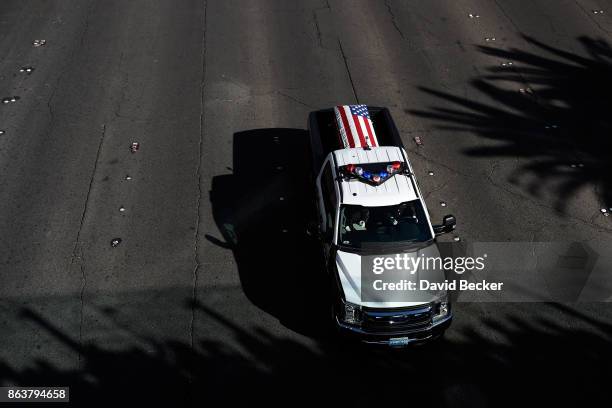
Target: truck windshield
[{"x": 395, "y": 224}]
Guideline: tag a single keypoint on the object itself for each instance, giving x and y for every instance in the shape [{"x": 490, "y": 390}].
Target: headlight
[
  {"x": 442, "y": 309},
  {"x": 352, "y": 313}
]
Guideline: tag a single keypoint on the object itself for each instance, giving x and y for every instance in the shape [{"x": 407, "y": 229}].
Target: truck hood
[{"x": 349, "y": 269}]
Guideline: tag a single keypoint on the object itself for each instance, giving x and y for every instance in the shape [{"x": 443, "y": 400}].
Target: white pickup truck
[{"x": 369, "y": 203}]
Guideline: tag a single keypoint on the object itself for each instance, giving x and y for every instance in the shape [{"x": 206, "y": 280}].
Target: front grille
[{"x": 404, "y": 319}]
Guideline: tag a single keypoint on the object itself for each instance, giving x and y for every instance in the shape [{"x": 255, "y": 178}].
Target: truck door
[{"x": 328, "y": 204}]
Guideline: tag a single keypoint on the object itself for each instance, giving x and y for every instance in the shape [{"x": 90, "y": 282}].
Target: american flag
[{"x": 355, "y": 126}]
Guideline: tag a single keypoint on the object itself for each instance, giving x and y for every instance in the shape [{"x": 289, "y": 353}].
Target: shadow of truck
[{"x": 262, "y": 211}]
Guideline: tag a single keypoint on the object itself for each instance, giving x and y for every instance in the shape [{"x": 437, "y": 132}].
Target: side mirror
[{"x": 449, "y": 222}]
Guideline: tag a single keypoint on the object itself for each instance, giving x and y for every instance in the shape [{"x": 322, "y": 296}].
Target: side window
[{"x": 329, "y": 198}]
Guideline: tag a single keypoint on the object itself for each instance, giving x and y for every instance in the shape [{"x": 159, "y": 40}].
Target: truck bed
[{"x": 324, "y": 136}]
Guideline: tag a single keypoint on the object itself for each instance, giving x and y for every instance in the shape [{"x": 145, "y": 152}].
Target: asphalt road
[{"x": 212, "y": 293}]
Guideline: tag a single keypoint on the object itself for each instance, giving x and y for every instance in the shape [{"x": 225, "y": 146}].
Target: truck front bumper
[{"x": 395, "y": 339}]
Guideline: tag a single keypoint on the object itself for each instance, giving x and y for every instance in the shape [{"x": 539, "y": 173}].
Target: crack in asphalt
[
  {"x": 126, "y": 80},
  {"x": 507, "y": 15},
  {"x": 296, "y": 100},
  {"x": 345, "y": 59},
  {"x": 196, "y": 256},
  {"x": 77, "y": 251},
  {"x": 348, "y": 71},
  {"x": 317, "y": 29},
  {"x": 434, "y": 190},
  {"x": 590, "y": 17},
  {"x": 536, "y": 232},
  {"x": 64, "y": 70},
  {"x": 393, "y": 20},
  {"x": 82, "y": 305}
]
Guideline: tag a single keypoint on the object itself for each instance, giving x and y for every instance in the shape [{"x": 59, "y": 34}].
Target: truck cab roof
[{"x": 399, "y": 188}]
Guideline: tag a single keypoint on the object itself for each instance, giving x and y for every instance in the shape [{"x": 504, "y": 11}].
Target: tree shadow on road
[
  {"x": 560, "y": 122},
  {"x": 506, "y": 361}
]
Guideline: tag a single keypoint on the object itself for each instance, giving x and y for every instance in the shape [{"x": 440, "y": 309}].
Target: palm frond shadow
[
  {"x": 559, "y": 124},
  {"x": 533, "y": 358}
]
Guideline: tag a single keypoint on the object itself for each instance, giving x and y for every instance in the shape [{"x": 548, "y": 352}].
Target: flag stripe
[
  {"x": 373, "y": 140},
  {"x": 351, "y": 131},
  {"x": 359, "y": 127},
  {"x": 340, "y": 128},
  {"x": 345, "y": 122},
  {"x": 363, "y": 121}
]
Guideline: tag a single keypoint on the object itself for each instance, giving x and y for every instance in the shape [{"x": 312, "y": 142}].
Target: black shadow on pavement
[
  {"x": 550, "y": 108},
  {"x": 262, "y": 211},
  {"x": 504, "y": 361}
]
